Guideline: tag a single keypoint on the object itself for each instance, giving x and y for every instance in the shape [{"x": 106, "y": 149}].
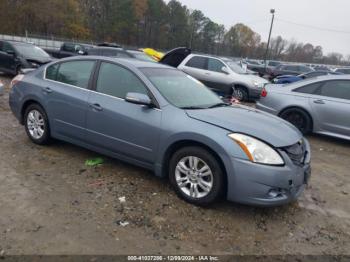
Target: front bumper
[{"x": 264, "y": 185}]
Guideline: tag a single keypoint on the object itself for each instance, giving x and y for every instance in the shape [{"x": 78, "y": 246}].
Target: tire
[
  {"x": 299, "y": 118},
  {"x": 207, "y": 185},
  {"x": 37, "y": 125},
  {"x": 241, "y": 94}
]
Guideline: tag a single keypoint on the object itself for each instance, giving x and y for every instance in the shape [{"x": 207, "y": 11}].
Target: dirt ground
[{"x": 51, "y": 203}]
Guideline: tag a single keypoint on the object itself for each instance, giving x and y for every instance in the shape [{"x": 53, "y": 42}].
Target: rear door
[
  {"x": 331, "y": 104},
  {"x": 66, "y": 93},
  {"x": 118, "y": 126}
]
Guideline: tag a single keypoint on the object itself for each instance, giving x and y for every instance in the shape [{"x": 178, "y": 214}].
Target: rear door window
[
  {"x": 336, "y": 89},
  {"x": 309, "y": 89},
  {"x": 76, "y": 73},
  {"x": 198, "y": 62}
]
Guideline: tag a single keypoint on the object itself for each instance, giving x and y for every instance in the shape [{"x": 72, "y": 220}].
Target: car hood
[{"x": 241, "y": 119}]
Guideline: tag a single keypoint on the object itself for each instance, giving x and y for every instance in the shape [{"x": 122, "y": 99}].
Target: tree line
[{"x": 150, "y": 23}]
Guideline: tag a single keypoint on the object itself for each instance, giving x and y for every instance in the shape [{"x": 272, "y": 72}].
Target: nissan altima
[{"x": 162, "y": 119}]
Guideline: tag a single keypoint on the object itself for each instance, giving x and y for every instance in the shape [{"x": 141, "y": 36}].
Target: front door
[{"x": 119, "y": 126}]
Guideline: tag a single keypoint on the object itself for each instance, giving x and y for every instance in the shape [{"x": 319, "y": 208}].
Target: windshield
[
  {"x": 180, "y": 89},
  {"x": 31, "y": 51},
  {"x": 235, "y": 67}
]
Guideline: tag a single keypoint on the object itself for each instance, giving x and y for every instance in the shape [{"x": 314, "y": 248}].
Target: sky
[{"x": 319, "y": 22}]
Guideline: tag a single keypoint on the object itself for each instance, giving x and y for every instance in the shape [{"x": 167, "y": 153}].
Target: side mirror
[
  {"x": 225, "y": 70},
  {"x": 81, "y": 52},
  {"x": 138, "y": 98}
]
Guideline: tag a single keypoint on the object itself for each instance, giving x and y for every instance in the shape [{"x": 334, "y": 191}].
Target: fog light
[{"x": 274, "y": 193}]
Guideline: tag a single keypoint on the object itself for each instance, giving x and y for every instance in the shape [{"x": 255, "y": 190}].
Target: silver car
[
  {"x": 319, "y": 105},
  {"x": 222, "y": 75}
]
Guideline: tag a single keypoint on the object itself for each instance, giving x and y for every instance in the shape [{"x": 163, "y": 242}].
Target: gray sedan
[
  {"x": 159, "y": 118},
  {"x": 320, "y": 105}
]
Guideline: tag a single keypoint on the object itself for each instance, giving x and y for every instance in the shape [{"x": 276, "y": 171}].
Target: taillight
[
  {"x": 17, "y": 79},
  {"x": 263, "y": 92}
]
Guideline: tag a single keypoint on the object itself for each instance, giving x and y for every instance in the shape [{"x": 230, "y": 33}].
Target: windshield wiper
[{"x": 220, "y": 105}]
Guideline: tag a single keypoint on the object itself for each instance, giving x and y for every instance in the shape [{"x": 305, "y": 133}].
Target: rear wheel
[
  {"x": 37, "y": 124},
  {"x": 240, "y": 93},
  {"x": 298, "y": 118},
  {"x": 196, "y": 176}
]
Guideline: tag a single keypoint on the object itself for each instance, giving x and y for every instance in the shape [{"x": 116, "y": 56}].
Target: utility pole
[{"x": 272, "y": 11}]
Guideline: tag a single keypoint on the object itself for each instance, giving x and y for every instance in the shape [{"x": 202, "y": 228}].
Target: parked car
[
  {"x": 69, "y": 49},
  {"x": 160, "y": 118},
  {"x": 255, "y": 66},
  {"x": 289, "y": 70},
  {"x": 319, "y": 105},
  {"x": 223, "y": 76},
  {"x": 342, "y": 70},
  {"x": 287, "y": 79},
  {"x": 15, "y": 56},
  {"x": 109, "y": 51}
]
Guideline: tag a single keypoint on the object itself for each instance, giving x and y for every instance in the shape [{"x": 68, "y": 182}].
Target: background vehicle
[
  {"x": 15, "y": 56},
  {"x": 69, "y": 49},
  {"x": 320, "y": 105},
  {"x": 223, "y": 76},
  {"x": 289, "y": 70},
  {"x": 160, "y": 118},
  {"x": 256, "y": 67},
  {"x": 109, "y": 51},
  {"x": 343, "y": 70},
  {"x": 287, "y": 79}
]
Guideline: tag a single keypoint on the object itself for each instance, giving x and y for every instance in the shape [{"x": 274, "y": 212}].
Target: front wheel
[
  {"x": 298, "y": 118},
  {"x": 196, "y": 176},
  {"x": 37, "y": 124}
]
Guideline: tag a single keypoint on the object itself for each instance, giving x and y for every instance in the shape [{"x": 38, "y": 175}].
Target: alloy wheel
[
  {"x": 194, "y": 177},
  {"x": 36, "y": 124}
]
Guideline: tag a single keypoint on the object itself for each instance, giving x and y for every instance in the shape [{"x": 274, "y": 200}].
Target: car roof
[{"x": 129, "y": 62}]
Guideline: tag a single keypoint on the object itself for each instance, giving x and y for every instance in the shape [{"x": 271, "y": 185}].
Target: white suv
[{"x": 222, "y": 75}]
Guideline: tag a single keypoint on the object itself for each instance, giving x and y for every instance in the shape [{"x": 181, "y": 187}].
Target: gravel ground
[{"x": 51, "y": 203}]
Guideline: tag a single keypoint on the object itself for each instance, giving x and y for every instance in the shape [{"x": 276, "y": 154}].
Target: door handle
[
  {"x": 319, "y": 101},
  {"x": 96, "y": 107},
  {"x": 47, "y": 90}
]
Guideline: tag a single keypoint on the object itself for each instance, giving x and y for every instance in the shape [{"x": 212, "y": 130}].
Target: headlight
[{"x": 256, "y": 150}]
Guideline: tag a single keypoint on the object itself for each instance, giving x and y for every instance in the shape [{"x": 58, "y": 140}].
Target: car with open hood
[
  {"x": 162, "y": 119},
  {"x": 15, "y": 56},
  {"x": 223, "y": 76}
]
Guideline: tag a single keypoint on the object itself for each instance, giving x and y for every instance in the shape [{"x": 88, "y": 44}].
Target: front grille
[{"x": 297, "y": 153}]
